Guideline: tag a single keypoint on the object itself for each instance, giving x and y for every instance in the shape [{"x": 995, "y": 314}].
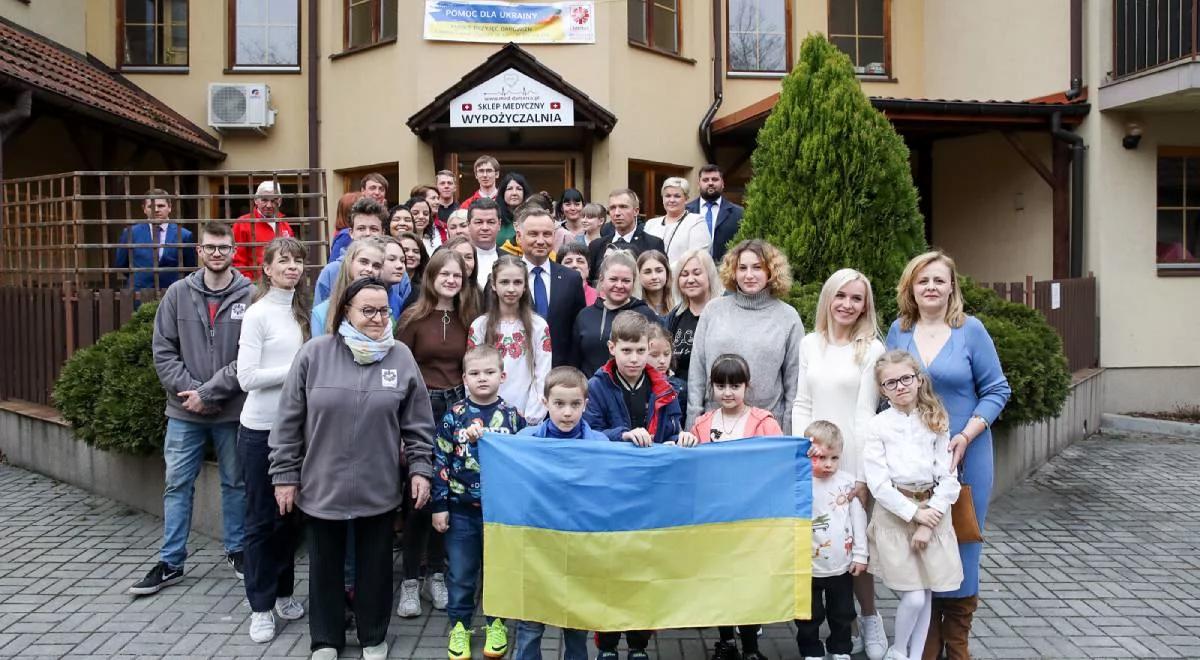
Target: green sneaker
[
  {"x": 497, "y": 640},
  {"x": 459, "y": 647}
]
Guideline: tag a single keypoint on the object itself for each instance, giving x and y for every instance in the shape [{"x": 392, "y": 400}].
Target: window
[
  {"x": 655, "y": 24},
  {"x": 1177, "y": 236},
  {"x": 759, "y": 36},
  {"x": 266, "y": 33},
  {"x": 646, "y": 180},
  {"x": 152, "y": 33},
  {"x": 862, "y": 30},
  {"x": 368, "y": 22}
]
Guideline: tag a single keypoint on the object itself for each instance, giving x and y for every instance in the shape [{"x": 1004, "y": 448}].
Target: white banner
[
  {"x": 511, "y": 99},
  {"x": 495, "y": 21}
]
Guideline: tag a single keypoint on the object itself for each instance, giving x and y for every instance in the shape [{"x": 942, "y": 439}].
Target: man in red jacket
[
  {"x": 253, "y": 231},
  {"x": 487, "y": 172}
]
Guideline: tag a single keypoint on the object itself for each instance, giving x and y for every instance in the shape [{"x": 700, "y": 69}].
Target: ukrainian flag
[{"x": 607, "y": 536}]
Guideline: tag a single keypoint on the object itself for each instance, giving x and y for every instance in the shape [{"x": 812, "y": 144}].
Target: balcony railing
[{"x": 1150, "y": 33}]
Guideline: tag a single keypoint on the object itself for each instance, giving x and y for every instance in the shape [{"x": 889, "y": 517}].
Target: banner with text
[
  {"x": 511, "y": 99},
  {"x": 491, "y": 21}
]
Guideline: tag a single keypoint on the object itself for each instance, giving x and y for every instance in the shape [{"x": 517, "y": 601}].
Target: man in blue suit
[
  {"x": 556, "y": 291},
  {"x": 722, "y": 216},
  {"x": 157, "y": 230}
]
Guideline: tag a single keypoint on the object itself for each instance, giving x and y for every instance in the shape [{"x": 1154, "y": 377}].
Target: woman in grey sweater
[
  {"x": 351, "y": 403},
  {"x": 754, "y": 323}
]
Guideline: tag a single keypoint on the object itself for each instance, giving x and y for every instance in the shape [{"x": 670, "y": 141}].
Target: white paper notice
[{"x": 1055, "y": 295}]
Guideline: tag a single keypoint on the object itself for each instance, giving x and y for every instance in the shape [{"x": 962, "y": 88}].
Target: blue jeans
[
  {"x": 464, "y": 553},
  {"x": 529, "y": 642},
  {"x": 183, "y": 451}
]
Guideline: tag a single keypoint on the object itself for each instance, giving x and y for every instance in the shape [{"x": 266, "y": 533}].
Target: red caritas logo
[
  {"x": 555, "y": 105},
  {"x": 466, "y": 107},
  {"x": 580, "y": 15}
]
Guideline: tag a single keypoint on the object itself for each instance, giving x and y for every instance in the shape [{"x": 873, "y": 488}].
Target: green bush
[
  {"x": 832, "y": 188},
  {"x": 110, "y": 392}
]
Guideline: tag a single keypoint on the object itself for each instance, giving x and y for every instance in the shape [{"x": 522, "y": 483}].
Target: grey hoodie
[
  {"x": 192, "y": 354},
  {"x": 341, "y": 427}
]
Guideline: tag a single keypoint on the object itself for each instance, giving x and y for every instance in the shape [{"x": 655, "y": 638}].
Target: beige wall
[
  {"x": 285, "y": 146},
  {"x": 976, "y": 182},
  {"x": 59, "y": 20}
]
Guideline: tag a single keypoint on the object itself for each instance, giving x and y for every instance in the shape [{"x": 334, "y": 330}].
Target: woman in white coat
[{"x": 679, "y": 229}]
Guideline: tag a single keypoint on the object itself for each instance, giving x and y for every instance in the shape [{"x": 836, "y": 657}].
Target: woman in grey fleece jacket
[
  {"x": 754, "y": 323},
  {"x": 351, "y": 403}
]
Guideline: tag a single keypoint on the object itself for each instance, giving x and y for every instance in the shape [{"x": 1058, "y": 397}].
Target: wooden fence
[{"x": 1069, "y": 306}]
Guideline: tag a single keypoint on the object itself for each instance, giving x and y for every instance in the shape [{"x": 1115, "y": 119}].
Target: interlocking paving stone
[{"x": 1094, "y": 556}]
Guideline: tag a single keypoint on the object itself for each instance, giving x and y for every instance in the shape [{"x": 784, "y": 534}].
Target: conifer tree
[{"x": 832, "y": 185}]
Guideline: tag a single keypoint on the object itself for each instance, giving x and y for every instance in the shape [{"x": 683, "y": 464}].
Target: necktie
[
  {"x": 620, "y": 243},
  {"x": 541, "y": 301},
  {"x": 708, "y": 208}
]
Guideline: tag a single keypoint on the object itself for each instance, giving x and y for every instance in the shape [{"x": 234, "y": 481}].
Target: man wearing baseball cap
[{"x": 253, "y": 231}]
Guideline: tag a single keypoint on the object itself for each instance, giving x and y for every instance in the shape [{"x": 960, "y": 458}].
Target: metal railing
[{"x": 1151, "y": 33}]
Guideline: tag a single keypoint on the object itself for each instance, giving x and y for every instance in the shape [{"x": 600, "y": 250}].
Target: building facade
[{"x": 986, "y": 94}]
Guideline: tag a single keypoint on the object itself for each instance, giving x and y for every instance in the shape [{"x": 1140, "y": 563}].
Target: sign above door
[{"x": 511, "y": 99}]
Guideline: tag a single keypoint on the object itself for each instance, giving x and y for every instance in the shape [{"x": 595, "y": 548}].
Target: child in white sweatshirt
[{"x": 839, "y": 538}]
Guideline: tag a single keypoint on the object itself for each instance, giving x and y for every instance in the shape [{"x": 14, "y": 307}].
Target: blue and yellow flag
[{"x": 607, "y": 536}]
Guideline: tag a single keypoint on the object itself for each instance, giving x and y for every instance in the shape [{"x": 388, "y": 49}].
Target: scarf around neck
[{"x": 365, "y": 349}]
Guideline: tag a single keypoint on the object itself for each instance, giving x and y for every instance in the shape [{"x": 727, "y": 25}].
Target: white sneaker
[
  {"x": 435, "y": 590},
  {"x": 856, "y": 642},
  {"x": 814, "y": 657},
  {"x": 894, "y": 653},
  {"x": 288, "y": 608},
  {"x": 262, "y": 627},
  {"x": 410, "y": 599},
  {"x": 377, "y": 652},
  {"x": 324, "y": 654},
  {"x": 874, "y": 636},
  {"x": 841, "y": 656}
]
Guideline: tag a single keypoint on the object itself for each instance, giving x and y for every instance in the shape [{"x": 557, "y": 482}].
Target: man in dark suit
[
  {"x": 722, "y": 216},
  {"x": 157, "y": 230},
  {"x": 627, "y": 232},
  {"x": 557, "y": 291}
]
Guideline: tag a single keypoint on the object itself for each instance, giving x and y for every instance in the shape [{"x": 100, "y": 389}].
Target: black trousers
[
  {"x": 749, "y": 635},
  {"x": 373, "y": 584},
  {"x": 421, "y": 541},
  {"x": 271, "y": 539},
  {"x": 637, "y": 639},
  {"x": 832, "y": 600}
]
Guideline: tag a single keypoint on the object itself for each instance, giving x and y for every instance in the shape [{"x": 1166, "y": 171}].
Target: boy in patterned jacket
[{"x": 455, "y": 502}]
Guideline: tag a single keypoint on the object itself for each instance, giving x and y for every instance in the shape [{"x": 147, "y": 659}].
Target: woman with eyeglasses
[
  {"x": 352, "y": 403},
  {"x": 958, "y": 354}
]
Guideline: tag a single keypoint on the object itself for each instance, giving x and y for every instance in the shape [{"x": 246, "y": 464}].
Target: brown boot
[
  {"x": 957, "y": 614},
  {"x": 933, "y": 641}
]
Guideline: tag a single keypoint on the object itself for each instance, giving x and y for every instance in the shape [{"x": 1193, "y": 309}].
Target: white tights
[{"x": 912, "y": 622}]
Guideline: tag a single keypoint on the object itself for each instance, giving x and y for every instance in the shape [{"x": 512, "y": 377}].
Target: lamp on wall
[{"x": 1133, "y": 135}]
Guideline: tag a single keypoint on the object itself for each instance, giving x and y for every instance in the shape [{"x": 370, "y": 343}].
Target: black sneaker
[
  {"x": 637, "y": 654},
  {"x": 235, "y": 560},
  {"x": 160, "y": 576},
  {"x": 607, "y": 655},
  {"x": 726, "y": 651}
]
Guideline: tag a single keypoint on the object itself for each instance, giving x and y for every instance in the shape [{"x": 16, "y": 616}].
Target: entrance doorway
[{"x": 551, "y": 172}]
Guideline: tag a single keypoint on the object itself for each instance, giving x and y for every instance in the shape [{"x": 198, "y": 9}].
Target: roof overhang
[{"x": 590, "y": 117}]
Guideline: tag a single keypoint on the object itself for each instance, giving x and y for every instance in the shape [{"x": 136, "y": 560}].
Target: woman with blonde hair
[
  {"x": 755, "y": 323},
  {"x": 679, "y": 229},
  {"x": 365, "y": 259},
  {"x": 958, "y": 354},
  {"x": 696, "y": 282},
  {"x": 836, "y": 383}
]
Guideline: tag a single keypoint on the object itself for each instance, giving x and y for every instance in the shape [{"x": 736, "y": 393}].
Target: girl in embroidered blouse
[
  {"x": 906, "y": 463},
  {"x": 522, "y": 337}
]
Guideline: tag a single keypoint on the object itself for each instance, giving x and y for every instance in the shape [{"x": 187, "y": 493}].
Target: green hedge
[{"x": 110, "y": 392}]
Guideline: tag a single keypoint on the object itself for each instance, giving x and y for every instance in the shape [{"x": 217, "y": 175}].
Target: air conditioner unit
[{"x": 240, "y": 105}]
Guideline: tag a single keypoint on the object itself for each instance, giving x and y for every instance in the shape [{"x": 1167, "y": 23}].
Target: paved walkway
[{"x": 1095, "y": 556}]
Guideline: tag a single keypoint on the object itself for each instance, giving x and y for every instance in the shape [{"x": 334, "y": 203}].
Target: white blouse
[
  {"x": 522, "y": 387},
  {"x": 899, "y": 450},
  {"x": 837, "y": 388},
  {"x": 690, "y": 233}
]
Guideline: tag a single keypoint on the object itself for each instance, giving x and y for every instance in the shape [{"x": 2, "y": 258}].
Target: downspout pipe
[
  {"x": 314, "y": 118},
  {"x": 1078, "y": 150},
  {"x": 706, "y": 142},
  {"x": 1076, "y": 87}
]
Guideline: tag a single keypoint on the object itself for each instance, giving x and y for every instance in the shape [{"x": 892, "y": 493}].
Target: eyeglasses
[
  {"x": 372, "y": 312},
  {"x": 216, "y": 249},
  {"x": 905, "y": 380}
]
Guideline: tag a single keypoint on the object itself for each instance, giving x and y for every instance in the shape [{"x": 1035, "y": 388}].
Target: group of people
[{"x": 559, "y": 320}]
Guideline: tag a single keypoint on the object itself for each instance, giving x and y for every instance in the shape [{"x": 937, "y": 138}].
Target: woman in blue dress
[{"x": 961, "y": 360}]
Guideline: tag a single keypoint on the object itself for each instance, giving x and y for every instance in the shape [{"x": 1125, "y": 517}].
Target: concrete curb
[{"x": 1149, "y": 425}]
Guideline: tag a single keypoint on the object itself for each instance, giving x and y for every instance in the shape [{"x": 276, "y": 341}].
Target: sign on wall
[
  {"x": 511, "y": 99},
  {"x": 493, "y": 21}
]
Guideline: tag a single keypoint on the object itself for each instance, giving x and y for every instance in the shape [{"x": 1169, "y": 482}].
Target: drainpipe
[
  {"x": 710, "y": 152},
  {"x": 1076, "y": 87},
  {"x": 314, "y": 136},
  {"x": 1078, "y": 150}
]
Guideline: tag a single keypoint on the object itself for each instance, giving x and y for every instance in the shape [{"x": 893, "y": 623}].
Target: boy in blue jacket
[{"x": 566, "y": 396}]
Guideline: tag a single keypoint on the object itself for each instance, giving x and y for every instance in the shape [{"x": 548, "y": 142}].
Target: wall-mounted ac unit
[{"x": 240, "y": 105}]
